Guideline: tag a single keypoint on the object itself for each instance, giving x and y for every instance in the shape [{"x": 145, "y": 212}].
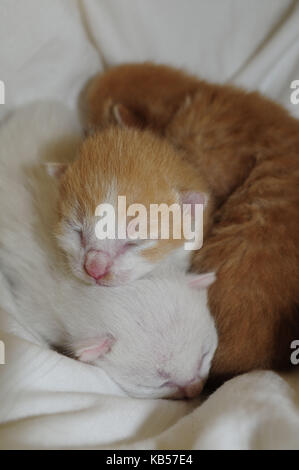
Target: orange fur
[
  {"x": 145, "y": 169},
  {"x": 246, "y": 148},
  {"x": 153, "y": 93}
]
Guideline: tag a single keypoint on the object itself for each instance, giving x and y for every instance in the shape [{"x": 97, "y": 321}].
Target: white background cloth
[{"x": 48, "y": 49}]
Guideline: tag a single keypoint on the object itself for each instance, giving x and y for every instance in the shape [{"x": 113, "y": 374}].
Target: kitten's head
[
  {"x": 121, "y": 162},
  {"x": 141, "y": 95},
  {"x": 160, "y": 341}
]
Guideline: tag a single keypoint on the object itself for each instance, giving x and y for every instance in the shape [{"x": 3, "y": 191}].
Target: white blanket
[{"x": 48, "y": 49}]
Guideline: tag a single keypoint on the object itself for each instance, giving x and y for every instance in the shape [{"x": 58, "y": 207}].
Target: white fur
[{"x": 162, "y": 327}]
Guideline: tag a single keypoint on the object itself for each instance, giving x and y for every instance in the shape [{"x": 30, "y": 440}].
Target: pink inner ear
[
  {"x": 94, "y": 348},
  {"x": 193, "y": 198},
  {"x": 202, "y": 280}
]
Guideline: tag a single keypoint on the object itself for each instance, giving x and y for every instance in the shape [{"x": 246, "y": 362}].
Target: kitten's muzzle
[{"x": 97, "y": 264}]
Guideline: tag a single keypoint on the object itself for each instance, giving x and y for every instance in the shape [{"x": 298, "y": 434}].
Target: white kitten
[{"x": 155, "y": 337}]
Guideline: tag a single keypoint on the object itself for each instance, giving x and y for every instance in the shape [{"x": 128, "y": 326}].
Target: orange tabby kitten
[
  {"x": 147, "y": 170},
  {"x": 247, "y": 150}
]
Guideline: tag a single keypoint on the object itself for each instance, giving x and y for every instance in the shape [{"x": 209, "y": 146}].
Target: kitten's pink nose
[{"x": 97, "y": 263}]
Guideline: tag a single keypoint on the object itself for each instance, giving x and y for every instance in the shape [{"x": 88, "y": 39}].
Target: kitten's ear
[
  {"x": 126, "y": 117},
  {"x": 93, "y": 348},
  {"x": 201, "y": 281},
  {"x": 194, "y": 197},
  {"x": 56, "y": 170},
  {"x": 186, "y": 103}
]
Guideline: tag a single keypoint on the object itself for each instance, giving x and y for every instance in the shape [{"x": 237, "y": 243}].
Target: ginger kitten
[
  {"x": 246, "y": 148},
  {"x": 147, "y": 170}
]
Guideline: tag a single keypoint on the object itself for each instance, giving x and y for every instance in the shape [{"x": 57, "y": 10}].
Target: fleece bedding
[{"x": 48, "y": 49}]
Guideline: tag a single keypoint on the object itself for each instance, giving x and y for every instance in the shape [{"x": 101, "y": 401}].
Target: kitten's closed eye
[
  {"x": 133, "y": 243},
  {"x": 79, "y": 231},
  {"x": 71, "y": 224}
]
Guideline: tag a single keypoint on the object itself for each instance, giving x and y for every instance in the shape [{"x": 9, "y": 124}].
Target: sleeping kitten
[
  {"x": 146, "y": 170},
  {"x": 246, "y": 148},
  {"x": 155, "y": 338}
]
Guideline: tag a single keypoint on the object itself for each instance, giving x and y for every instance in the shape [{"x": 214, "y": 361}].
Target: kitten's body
[
  {"x": 247, "y": 149},
  {"x": 141, "y": 334}
]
